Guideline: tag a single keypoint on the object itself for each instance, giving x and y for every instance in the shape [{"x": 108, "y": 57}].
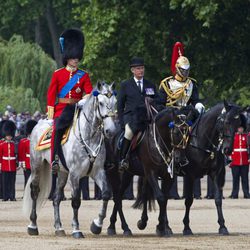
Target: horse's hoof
[
  {"x": 60, "y": 233},
  {"x": 95, "y": 229},
  {"x": 187, "y": 232},
  {"x": 111, "y": 231},
  {"x": 160, "y": 233},
  {"x": 32, "y": 231},
  {"x": 141, "y": 224},
  {"x": 127, "y": 233},
  {"x": 168, "y": 232},
  {"x": 223, "y": 231},
  {"x": 77, "y": 235}
]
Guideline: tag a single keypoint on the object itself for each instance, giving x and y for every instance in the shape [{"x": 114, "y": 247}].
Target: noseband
[{"x": 183, "y": 129}]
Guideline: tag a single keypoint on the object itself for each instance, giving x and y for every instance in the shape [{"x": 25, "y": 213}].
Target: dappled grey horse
[{"x": 84, "y": 155}]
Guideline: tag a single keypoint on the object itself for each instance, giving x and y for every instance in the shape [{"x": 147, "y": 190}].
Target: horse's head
[
  {"x": 105, "y": 106},
  {"x": 180, "y": 127},
  {"x": 229, "y": 120}
]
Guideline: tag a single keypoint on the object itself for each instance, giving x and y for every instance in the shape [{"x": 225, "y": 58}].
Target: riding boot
[
  {"x": 123, "y": 165},
  {"x": 55, "y": 158}
]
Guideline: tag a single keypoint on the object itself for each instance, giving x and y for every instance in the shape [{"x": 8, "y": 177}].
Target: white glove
[{"x": 200, "y": 107}]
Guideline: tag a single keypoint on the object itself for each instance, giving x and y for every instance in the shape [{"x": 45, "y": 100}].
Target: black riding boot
[
  {"x": 123, "y": 165},
  {"x": 57, "y": 140}
]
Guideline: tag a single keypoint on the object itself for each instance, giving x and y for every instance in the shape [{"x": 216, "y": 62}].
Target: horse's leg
[
  {"x": 126, "y": 179},
  {"x": 75, "y": 203},
  {"x": 218, "y": 188},
  {"x": 142, "y": 223},
  {"x": 188, "y": 187},
  {"x": 114, "y": 180},
  {"x": 34, "y": 191},
  {"x": 61, "y": 182},
  {"x": 101, "y": 181},
  {"x": 166, "y": 186}
]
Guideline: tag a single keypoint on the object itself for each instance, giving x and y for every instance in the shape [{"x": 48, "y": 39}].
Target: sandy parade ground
[{"x": 13, "y": 225}]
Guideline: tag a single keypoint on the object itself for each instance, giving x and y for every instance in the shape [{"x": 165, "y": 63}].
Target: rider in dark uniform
[{"x": 131, "y": 107}]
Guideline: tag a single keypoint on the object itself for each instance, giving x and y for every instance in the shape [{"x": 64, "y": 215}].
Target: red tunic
[
  {"x": 240, "y": 154},
  {"x": 59, "y": 79},
  {"x": 7, "y": 156},
  {"x": 24, "y": 152}
]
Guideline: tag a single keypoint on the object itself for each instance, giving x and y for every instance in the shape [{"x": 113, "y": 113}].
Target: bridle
[
  {"x": 183, "y": 128},
  {"x": 93, "y": 153},
  {"x": 168, "y": 158}
]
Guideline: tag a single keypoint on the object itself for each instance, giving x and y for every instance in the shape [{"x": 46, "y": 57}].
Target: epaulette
[
  {"x": 168, "y": 78},
  {"x": 192, "y": 79},
  {"x": 59, "y": 69},
  {"x": 165, "y": 80}
]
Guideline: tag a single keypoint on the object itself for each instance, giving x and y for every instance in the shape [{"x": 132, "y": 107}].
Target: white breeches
[{"x": 128, "y": 133}]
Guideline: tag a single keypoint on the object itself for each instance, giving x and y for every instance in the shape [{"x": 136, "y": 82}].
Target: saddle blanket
[{"x": 45, "y": 140}]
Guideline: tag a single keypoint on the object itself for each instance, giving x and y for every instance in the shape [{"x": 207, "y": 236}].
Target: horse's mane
[{"x": 163, "y": 113}]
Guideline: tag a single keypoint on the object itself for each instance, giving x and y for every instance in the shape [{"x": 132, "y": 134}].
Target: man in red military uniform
[
  {"x": 24, "y": 150},
  {"x": 8, "y": 164},
  {"x": 240, "y": 163},
  {"x": 68, "y": 86}
]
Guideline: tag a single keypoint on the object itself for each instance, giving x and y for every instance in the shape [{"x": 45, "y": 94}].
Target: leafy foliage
[
  {"x": 25, "y": 65},
  {"x": 21, "y": 99}
]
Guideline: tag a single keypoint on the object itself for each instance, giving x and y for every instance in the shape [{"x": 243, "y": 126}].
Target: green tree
[
  {"x": 25, "y": 65},
  {"x": 19, "y": 98}
]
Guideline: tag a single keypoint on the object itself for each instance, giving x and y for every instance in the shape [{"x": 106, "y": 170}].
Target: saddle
[
  {"x": 136, "y": 140},
  {"x": 45, "y": 139}
]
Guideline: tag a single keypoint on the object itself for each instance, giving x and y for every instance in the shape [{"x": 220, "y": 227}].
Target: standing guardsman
[
  {"x": 8, "y": 162},
  {"x": 24, "y": 150},
  {"x": 68, "y": 86},
  {"x": 240, "y": 163}
]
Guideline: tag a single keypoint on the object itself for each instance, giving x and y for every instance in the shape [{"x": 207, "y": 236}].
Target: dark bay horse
[
  {"x": 211, "y": 138},
  {"x": 209, "y": 142},
  {"x": 162, "y": 145}
]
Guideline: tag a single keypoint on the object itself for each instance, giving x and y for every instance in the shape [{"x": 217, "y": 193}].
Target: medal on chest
[{"x": 78, "y": 90}]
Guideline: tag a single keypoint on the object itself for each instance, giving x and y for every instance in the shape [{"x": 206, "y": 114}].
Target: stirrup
[{"x": 123, "y": 165}]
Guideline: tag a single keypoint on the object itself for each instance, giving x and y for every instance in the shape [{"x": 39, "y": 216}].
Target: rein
[
  {"x": 93, "y": 153},
  {"x": 220, "y": 120}
]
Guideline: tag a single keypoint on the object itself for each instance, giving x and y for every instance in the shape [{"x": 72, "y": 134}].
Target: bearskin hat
[
  {"x": 72, "y": 44},
  {"x": 1, "y": 128},
  {"x": 30, "y": 124},
  {"x": 9, "y": 128}
]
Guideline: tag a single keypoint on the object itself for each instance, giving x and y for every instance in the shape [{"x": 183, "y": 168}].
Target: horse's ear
[
  {"x": 226, "y": 105},
  {"x": 99, "y": 85},
  {"x": 113, "y": 85}
]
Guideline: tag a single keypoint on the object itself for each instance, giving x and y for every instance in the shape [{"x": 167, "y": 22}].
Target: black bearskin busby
[
  {"x": 9, "y": 128},
  {"x": 30, "y": 124},
  {"x": 72, "y": 45}
]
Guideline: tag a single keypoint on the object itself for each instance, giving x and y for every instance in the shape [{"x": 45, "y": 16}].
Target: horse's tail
[
  {"x": 45, "y": 180},
  {"x": 144, "y": 194}
]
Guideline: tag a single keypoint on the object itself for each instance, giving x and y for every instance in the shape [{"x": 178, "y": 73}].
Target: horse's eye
[{"x": 101, "y": 104}]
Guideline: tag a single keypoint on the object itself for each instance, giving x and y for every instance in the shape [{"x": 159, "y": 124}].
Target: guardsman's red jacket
[
  {"x": 7, "y": 156},
  {"x": 59, "y": 79},
  {"x": 240, "y": 154},
  {"x": 24, "y": 153}
]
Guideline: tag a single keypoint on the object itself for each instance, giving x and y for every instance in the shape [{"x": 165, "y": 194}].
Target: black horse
[
  {"x": 211, "y": 138},
  {"x": 163, "y": 141}
]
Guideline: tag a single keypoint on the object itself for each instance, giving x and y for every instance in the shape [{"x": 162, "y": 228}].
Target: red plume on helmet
[{"x": 178, "y": 50}]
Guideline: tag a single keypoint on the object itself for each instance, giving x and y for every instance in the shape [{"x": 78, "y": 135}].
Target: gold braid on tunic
[{"x": 173, "y": 96}]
